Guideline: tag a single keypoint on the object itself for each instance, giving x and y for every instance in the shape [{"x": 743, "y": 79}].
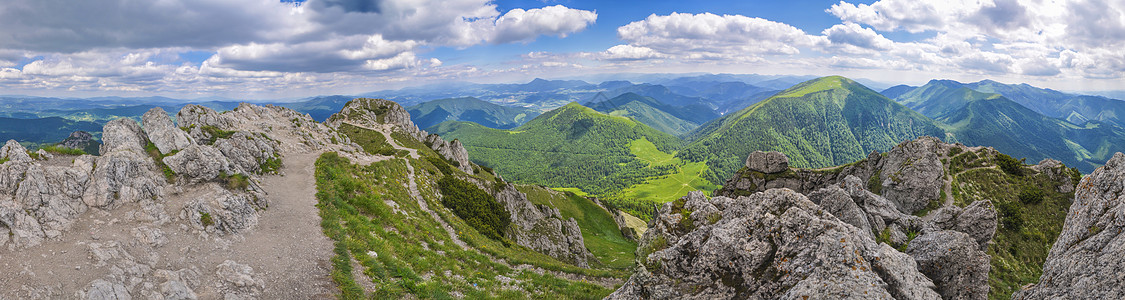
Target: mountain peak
[{"x": 818, "y": 85}]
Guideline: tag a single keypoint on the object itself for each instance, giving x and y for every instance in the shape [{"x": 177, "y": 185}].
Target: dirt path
[{"x": 288, "y": 249}]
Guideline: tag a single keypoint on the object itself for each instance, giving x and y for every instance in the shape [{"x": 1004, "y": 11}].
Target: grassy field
[
  {"x": 599, "y": 231},
  {"x": 684, "y": 177}
]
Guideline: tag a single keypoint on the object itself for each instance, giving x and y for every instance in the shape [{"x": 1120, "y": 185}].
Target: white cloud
[
  {"x": 520, "y": 25},
  {"x": 851, "y": 34},
  {"x": 710, "y": 35},
  {"x": 630, "y": 52}
]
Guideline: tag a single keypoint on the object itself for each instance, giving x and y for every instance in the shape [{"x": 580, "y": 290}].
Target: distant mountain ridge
[
  {"x": 469, "y": 109},
  {"x": 674, "y": 120}
]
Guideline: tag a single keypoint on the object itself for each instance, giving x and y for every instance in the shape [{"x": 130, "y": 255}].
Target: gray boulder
[
  {"x": 771, "y": 245},
  {"x": 122, "y": 135},
  {"x": 237, "y": 281},
  {"x": 163, "y": 134},
  {"x": 452, "y": 151},
  {"x": 13, "y": 151},
  {"x": 954, "y": 262},
  {"x": 122, "y": 177},
  {"x": 767, "y": 162},
  {"x": 198, "y": 163},
  {"x": 1086, "y": 260},
  {"x": 192, "y": 115},
  {"x": 248, "y": 151},
  {"x": 839, "y": 203},
  {"x": 912, "y": 174},
  {"x": 222, "y": 212},
  {"x": 101, "y": 289}
]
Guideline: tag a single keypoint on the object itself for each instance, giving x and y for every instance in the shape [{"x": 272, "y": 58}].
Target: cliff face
[{"x": 1086, "y": 260}]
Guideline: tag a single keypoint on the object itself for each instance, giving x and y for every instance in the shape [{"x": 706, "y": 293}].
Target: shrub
[
  {"x": 479, "y": 209},
  {"x": 1010, "y": 215},
  {"x": 875, "y": 183},
  {"x": 206, "y": 219},
  {"x": 1031, "y": 195},
  {"x": 441, "y": 164},
  {"x": 1009, "y": 165},
  {"x": 235, "y": 181}
]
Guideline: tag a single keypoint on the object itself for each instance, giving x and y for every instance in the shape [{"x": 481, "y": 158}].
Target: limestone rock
[
  {"x": 238, "y": 280},
  {"x": 163, "y": 134},
  {"x": 767, "y": 162},
  {"x": 770, "y": 245},
  {"x": 192, "y": 115},
  {"x": 954, "y": 262},
  {"x": 222, "y": 211},
  {"x": 24, "y": 230},
  {"x": 900, "y": 271},
  {"x": 839, "y": 203},
  {"x": 912, "y": 174},
  {"x": 1086, "y": 260},
  {"x": 101, "y": 289},
  {"x": 543, "y": 229},
  {"x": 199, "y": 163},
  {"x": 13, "y": 151},
  {"x": 453, "y": 151},
  {"x": 120, "y": 177},
  {"x": 1056, "y": 171},
  {"x": 122, "y": 134},
  {"x": 78, "y": 140},
  {"x": 248, "y": 151}
]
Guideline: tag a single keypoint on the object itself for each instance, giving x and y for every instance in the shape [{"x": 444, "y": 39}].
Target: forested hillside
[
  {"x": 822, "y": 122},
  {"x": 469, "y": 109},
  {"x": 667, "y": 118}
]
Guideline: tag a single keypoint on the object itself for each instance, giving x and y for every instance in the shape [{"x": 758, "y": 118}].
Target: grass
[
  {"x": 158, "y": 158},
  {"x": 235, "y": 181},
  {"x": 599, "y": 231},
  {"x": 371, "y": 141},
  {"x": 1017, "y": 252},
  {"x": 63, "y": 150},
  {"x": 206, "y": 219},
  {"x": 215, "y": 133},
  {"x": 682, "y": 177},
  {"x": 416, "y": 258}
]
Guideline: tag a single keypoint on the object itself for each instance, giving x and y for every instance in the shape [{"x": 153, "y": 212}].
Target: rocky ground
[{"x": 157, "y": 215}]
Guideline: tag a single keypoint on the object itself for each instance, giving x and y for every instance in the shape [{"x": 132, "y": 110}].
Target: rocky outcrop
[
  {"x": 978, "y": 220},
  {"x": 80, "y": 140},
  {"x": 770, "y": 245},
  {"x": 200, "y": 116},
  {"x": 909, "y": 175},
  {"x": 122, "y": 134},
  {"x": 767, "y": 162},
  {"x": 222, "y": 211},
  {"x": 1055, "y": 170},
  {"x": 955, "y": 263},
  {"x": 373, "y": 113},
  {"x": 238, "y": 281},
  {"x": 250, "y": 151},
  {"x": 163, "y": 134},
  {"x": 1086, "y": 260},
  {"x": 543, "y": 229},
  {"x": 199, "y": 163}
]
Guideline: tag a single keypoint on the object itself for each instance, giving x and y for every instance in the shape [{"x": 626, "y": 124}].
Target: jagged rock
[
  {"x": 122, "y": 176},
  {"x": 197, "y": 115},
  {"x": 248, "y": 151},
  {"x": 1056, "y": 171},
  {"x": 24, "y": 230},
  {"x": 543, "y": 229},
  {"x": 78, "y": 140},
  {"x": 163, "y": 134},
  {"x": 770, "y": 245},
  {"x": 238, "y": 280},
  {"x": 372, "y": 112},
  {"x": 839, "y": 203},
  {"x": 222, "y": 211},
  {"x": 176, "y": 285},
  {"x": 767, "y": 162},
  {"x": 122, "y": 134},
  {"x": 53, "y": 194},
  {"x": 978, "y": 220},
  {"x": 954, "y": 262},
  {"x": 101, "y": 289},
  {"x": 198, "y": 163},
  {"x": 13, "y": 151},
  {"x": 43, "y": 155},
  {"x": 453, "y": 151},
  {"x": 1086, "y": 260},
  {"x": 912, "y": 174},
  {"x": 152, "y": 237}
]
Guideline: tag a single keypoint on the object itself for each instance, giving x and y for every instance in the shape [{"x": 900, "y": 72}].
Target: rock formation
[
  {"x": 373, "y": 113},
  {"x": 543, "y": 229},
  {"x": 1086, "y": 260},
  {"x": 775, "y": 244},
  {"x": 162, "y": 133},
  {"x": 78, "y": 140},
  {"x": 767, "y": 162}
]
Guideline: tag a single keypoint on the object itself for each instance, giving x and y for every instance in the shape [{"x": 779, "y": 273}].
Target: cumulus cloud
[
  {"x": 630, "y": 52},
  {"x": 852, "y": 34},
  {"x": 257, "y": 38},
  {"x": 710, "y": 35}
]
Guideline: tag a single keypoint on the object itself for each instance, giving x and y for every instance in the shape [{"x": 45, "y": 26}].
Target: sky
[{"x": 262, "y": 49}]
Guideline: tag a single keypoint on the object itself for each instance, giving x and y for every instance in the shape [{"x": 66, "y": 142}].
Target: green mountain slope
[
  {"x": 576, "y": 148},
  {"x": 983, "y": 119},
  {"x": 649, "y": 111},
  {"x": 469, "y": 109},
  {"x": 818, "y": 123},
  {"x": 36, "y": 132},
  {"x": 1057, "y": 104}
]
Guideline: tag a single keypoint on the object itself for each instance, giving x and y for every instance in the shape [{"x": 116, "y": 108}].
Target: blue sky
[{"x": 262, "y": 49}]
